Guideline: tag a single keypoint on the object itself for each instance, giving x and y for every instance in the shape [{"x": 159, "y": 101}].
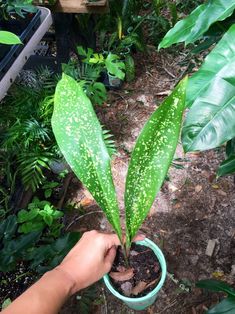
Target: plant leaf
[
  {"x": 97, "y": 93},
  {"x": 216, "y": 285},
  {"x": 227, "y": 166},
  {"x": 210, "y": 121},
  {"x": 198, "y": 22},
  {"x": 151, "y": 158},
  {"x": 25, "y": 215},
  {"x": 227, "y": 306},
  {"x": 218, "y": 58},
  {"x": 115, "y": 66},
  {"x": 9, "y": 38},
  {"x": 8, "y": 227},
  {"x": 122, "y": 276},
  {"x": 80, "y": 139}
]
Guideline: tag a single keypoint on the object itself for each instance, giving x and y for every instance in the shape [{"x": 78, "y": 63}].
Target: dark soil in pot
[{"x": 142, "y": 275}]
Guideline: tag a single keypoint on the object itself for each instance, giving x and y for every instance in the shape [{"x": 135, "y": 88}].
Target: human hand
[{"x": 91, "y": 258}]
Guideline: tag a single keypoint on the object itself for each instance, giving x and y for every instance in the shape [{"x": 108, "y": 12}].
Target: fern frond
[
  {"x": 109, "y": 142},
  {"x": 31, "y": 167}
]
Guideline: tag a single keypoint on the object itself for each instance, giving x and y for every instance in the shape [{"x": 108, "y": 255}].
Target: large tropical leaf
[
  {"x": 216, "y": 285},
  {"x": 193, "y": 26},
  {"x": 223, "y": 53},
  {"x": 151, "y": 158},
  {"x": 227, "y": 166},
  {"x": 80, "y": 138},
  {"x": 211, "y": 119},
  {"x": 227, "y": 306}
]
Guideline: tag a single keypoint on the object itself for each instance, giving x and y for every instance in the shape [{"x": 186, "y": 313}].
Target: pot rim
[{"x": 162, "y": 262}]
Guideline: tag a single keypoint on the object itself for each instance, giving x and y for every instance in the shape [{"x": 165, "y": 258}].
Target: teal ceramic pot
[{"x": 142, "y": 302}]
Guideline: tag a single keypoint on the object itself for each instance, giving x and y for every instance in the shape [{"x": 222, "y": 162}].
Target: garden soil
[{"x": 192, "y": 218}]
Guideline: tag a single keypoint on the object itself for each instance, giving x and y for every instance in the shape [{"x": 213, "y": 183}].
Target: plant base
[{"x": 142, "y": 302}]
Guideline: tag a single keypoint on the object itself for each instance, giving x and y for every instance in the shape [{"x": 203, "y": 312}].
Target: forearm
[{"x": 46, "y": 296}]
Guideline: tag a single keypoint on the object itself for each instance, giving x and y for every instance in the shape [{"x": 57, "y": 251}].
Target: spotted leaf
[
  {"x": 151, "y": 158},
  {"x": 80, "y": 138}
]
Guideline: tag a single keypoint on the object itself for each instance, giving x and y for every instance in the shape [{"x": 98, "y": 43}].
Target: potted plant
[
  {"x": 79, "y": 136},
  {"x": 110, "y": 64}
]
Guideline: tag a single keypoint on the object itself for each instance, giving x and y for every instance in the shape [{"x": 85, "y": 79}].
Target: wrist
[{"x": 65, "y": 280}]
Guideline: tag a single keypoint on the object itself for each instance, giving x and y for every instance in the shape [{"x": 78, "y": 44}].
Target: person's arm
[{"x": 87, "y": 262}]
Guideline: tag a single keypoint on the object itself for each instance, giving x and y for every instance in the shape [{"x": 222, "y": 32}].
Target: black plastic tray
[{"x": 15, "y": 50}]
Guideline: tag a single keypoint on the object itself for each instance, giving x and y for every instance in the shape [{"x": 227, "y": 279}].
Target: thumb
[{"x": 109, "y": 258}]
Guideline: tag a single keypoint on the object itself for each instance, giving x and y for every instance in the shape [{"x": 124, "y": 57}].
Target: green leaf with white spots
[
  {"x": 151, "y": 158},
  {"x": 80, "y": 139}
]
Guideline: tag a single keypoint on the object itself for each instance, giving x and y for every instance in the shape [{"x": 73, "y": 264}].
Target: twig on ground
[
  {"x": 82, "y": 216},
  {"x": 168, "y": 307},
  {"x": 167, "y": 71},
  {"x": 105, "y": 301}
]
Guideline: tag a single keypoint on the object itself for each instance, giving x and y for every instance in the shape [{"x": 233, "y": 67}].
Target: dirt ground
[{"x": 191, "y": 208}]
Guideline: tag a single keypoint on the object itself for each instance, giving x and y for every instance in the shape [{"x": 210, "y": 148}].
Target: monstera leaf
[
  {"x": 80, "y": 138},
  {"x": 151, "y": 158},
  {"x": 115, "y": 66},
  {"x": 193, "y": 26}
]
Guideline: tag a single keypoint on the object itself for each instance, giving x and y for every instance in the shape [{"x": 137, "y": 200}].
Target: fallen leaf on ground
[
  {"x": 122, "y": 276},
  {"x": 215, "y": 186},
  {"x": 221, "y": 192},
  {"x": 198, "y": 188},
  {"x": 177, "y": 205},
  {"x": 141, "y": 286}
]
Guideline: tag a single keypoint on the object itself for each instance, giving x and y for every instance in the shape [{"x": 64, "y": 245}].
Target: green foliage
[
  {"x": 111, "y": 63},
  {"x": 87, "y": 74},
  {"x": 86, "y": 299},
  {"x": 48, "y": 188},
  {"x": 211, "y": 91},
  {"x": 114, "y": 66},
  {"x": 198, "y": 22},
  {"x": 225, "y": 306},
  {"x": 27, "y": 141},
  {"x": 96, "y": 92},
  {"x": 214, "y": 64},
  {"x": 9, "y": 38},
  {"x": 228, "y": 165},
  {"x": 151, "y": 158},
  {"x": 18, "y": 7},
  {"x": 39, "y": 216},
  {"x": 130, "y": 68},
  {"x": 34, "y": 235},
  {"x": 6, "y": 303},
  {"x": 109, "y": 142},
  {"x": 81, "y": 142}
]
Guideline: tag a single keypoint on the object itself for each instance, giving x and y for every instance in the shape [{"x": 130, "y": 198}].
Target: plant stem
[{"x": 125, "y": 252}]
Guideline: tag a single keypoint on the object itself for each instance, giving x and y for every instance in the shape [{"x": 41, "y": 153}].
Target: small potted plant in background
[
  {"x": 109, "y": 64},
  {"x": 79, "y": 136}
]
